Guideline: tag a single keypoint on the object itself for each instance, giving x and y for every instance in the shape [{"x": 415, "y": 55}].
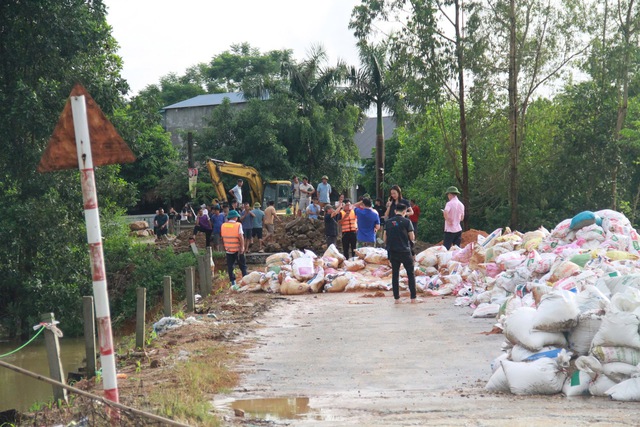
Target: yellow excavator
[{"x": 261, "y": 191}]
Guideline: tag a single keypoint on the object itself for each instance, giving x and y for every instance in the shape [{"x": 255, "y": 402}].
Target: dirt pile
[
  {"x": 298, "y": 233},
  {"x": 468, "y": 236}
]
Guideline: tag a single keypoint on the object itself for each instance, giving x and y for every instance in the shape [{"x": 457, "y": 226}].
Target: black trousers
[
  {"x": 452, "y": 239},
  {"x": 406, "y": 259},
  {"x": 231, "y": 264},
  {"x": 349, "y": 240}
]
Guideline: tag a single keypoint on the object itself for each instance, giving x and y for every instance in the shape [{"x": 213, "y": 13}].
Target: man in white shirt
[
  {"x": 236, "y": 192},
  {"x": 295, "y": 194},
  {"x": 306, "y": 190}
]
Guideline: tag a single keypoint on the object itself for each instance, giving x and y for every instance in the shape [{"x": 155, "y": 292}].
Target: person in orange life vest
[
  {"x": 347, "y": 218},
  {"x": 233, "y": 241}
]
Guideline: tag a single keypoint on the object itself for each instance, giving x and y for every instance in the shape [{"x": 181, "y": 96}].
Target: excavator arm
[{"x": 249, "y": 174}]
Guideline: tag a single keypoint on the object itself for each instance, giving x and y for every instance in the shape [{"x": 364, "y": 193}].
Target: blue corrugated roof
[{"x": 209, "y": 99}]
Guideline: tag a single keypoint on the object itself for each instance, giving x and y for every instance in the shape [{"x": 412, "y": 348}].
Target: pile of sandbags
[
  {"x": 571, "y": 298},
  {"x": 300, "y": 272},
  {"x": 299, "y": 233},
  {"x": 140, "y": 229}
]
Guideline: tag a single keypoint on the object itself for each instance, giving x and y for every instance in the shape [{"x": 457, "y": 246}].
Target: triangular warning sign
[{"x": 107, "y": 147}]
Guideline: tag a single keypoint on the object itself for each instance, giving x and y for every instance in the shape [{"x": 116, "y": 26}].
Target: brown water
[
  {"x": 18, "y": 391},
  {"x": 274, "y": 409}
]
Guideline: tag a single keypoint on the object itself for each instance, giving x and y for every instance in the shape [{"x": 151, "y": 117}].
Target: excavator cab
[{"x": 279, "y": 192}]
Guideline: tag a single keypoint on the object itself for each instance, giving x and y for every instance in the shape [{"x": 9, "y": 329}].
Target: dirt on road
[{"x": 347, "y": 360}]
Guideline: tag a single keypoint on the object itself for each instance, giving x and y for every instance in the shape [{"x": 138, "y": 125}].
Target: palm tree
[{"x": 372, "y": 85}]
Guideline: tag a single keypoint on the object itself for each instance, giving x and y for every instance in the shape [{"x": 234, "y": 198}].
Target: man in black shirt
[
  {"x": 330, "y": 224},
  {"x": 398, "y": 237}
]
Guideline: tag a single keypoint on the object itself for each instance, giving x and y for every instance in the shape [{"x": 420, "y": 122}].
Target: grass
[{"x": 194, "y": 382}]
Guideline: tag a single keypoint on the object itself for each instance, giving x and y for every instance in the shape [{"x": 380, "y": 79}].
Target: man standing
[
  {"x": 324, "y": 191},
  {"x": 415, "y": 215},
  {"x": 398, "y": 235},
  {"x": 236, "y": 192},
  {"x": 306, "y": 190},
  {"x": 453, "y": 213},
  {"x": 368, "y": 223},
  {"x": 258, "y": 215},
  {"x": 161, "y": 224},
  {"x": 217, "y": 219},
  {"x": 295, "y": 194},
  {"x": 233, "y": 240},
  {"x": 330, "y": 225},
  {"x": 347, "y": 218},
  {"x": 246, "y": 218},
  {"x": 314, "y": 209},
  {"x": 270, "y": 217}
]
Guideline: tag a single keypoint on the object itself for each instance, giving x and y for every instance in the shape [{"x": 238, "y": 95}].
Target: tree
[
  {"x": 45, "y": 47},
  {"x": 372, "y": 84}
]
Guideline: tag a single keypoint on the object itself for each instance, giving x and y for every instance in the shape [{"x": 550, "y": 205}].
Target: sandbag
[
  {"x": 291, "y": 286},
  {"x": 518, "y": 329},
  {"x": 541, "y": 376},
  {"x": 577, "y": 384},
  {"x": 489, "y": 241},
  {"x": 355, "y": 265},
  {"x": 581, "y": 337},
  {"x": 333, "y": 252},
  {"x": 562, "y": 229},
  {"x": 556, "y": 312},
  {"x": 255, "y": 277},
  {"x": 330, "y": 262},
  {"x": 485, "y": 310},
  {"x": 338, "y": 284},
  {"x": 626, "y": 391},
  {"x": 612, "y": 285},
  {"x": 498, "y": 382},
  {"x": 303, "y": 268},
  {"x": 377, "y": 256},
  {"x": 316, "y": 283},
  {"x": 278, "y": 258},
  {"x": 583, "y": 219},
  {"x": 600, "y": 385},
  {"x": 564, "y": 269},
  {"x": 619, "y": 371},
  {"x": 618, "y": 329},
  {"x": 464, "y": 255},
  {"x": 616, "y": 354},
  {"x": 364, "y": 251},
  {"x": 510, "y": 260},
  {"x": 427, "y": 258}
]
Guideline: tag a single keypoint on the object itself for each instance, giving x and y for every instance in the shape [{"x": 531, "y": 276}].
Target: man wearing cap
[
  {"x": 258, "y": 215},
  {"x": 453, "y": 213},
  {"x": 233, "y": 241},
  {"x": 324, "y": 191},
  {"x": 314, "y": 209},
  {"x": 306, "y": 190}
]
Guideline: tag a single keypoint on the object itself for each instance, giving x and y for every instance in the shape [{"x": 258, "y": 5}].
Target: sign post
[{"x": 80, "y": 119}]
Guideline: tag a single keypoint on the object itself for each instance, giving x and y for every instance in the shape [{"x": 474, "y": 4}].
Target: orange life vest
[
  {"x": 348, "y": 221},
  {"x": 230, "y": 233}
]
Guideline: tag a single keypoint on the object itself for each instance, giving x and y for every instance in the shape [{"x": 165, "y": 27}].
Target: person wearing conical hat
[{"x": 453, "y": 213}]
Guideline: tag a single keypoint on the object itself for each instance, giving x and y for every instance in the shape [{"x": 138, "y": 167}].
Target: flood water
[{"x": 18, "y": 391}]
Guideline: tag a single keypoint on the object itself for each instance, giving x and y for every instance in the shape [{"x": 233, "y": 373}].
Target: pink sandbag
[{"x": 464, "y": 255}]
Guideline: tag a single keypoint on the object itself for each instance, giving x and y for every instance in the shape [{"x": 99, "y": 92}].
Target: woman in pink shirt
[{"x": 453, "y": 213}]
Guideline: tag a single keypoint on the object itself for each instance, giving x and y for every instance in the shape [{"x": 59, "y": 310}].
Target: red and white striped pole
[{"x": 94, "y": 237}]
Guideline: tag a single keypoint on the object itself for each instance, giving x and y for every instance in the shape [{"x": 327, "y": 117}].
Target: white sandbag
[
  {"x": 338, "y": 284},
  {"x": 628, "y": 300},
  {"x": 427, "y": 258},
  {"x": 498, "y": 382},
  {"x": 612, "y": 285},
  {"x": 255, "y": 277},
  {"x": 364, "y": 251},
  {"x": 618, "y": 329},
  {"x": 577, "y": 384},
  {"x": 510, "y": 260},
  {"x": 544, "y": 264},
  {"x": 581, "y": 336},
  {"x": 533, "y": 259},
  {"x": 617, "y": 354},
  {"x": 590, "y": 365},
  {"x": 303, "y": 268},
  {"x": 601, "y": 385},
  {"x": 519, "y": 353},
  {"x": 296, "y": 253},
  {"x": 280, "y": 257},
  {"x": 542, "y": 376},
  {"x": 564, "y": 269},
  {"x": 355, "y": 265},
  {"x": 591, "y": 232},
  {"x": 377, "y": 256},
  {"x": 519, "y": 330},
  {"x": 626, "y": 391},
  {"x": 333, "y": 252},
  {"x": 316, "y": 283},
  {"x": 486, "y": 311},
  {"x": 619, "y": 371},
  {"x": 556, "y": 312},
  {"x": 495, "y": 363},
  {"x": 591, "y": 298},
  {"x": 562, "y": 229},
  {"x": 464, "y": 255},
  {"x": 310, "y": 254},
  {"x": 443, "y": 257},
  {"x": 291, "y": 286},
  {"x": 330, "y": 262}
]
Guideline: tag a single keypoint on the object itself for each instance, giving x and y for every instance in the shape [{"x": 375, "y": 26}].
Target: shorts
[
  {"x": 257, "y": 232},
  {"x": 248, "y": 233},
  {"x": 366, "y": 244},
  {"x": 217, "y": 238},
  {"x": 304, "y": 204},
  {"x": 269, "y": 228}
]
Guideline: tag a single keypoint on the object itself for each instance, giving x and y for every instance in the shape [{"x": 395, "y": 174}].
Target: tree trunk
[
  {"x": 379, "y": 151},
  {"x": 463, "y": 120},
  {"x": 513, "y": 119}
]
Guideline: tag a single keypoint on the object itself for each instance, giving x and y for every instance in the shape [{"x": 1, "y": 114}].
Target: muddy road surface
[{"x": 348, "y": 360}]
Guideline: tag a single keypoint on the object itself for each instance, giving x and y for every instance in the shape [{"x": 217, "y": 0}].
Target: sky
[{"x": 158, "y": 37}]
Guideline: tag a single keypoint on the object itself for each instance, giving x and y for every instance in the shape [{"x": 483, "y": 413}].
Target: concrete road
[{"x": 345, "y": 360}]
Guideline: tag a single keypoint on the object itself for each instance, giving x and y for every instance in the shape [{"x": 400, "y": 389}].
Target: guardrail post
[
  {"x": 53, "y": 356},
  {"x": 88, "y": 313},
  {"x": 190, "y": 273},
  {"x": 167, "y": 296},
  {"x": 141, "y": 294}
]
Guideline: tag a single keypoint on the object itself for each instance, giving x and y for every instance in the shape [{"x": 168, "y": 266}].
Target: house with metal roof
[
  {"x": 365, "y": 139},
  {"x": 192, "y": 114}
]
